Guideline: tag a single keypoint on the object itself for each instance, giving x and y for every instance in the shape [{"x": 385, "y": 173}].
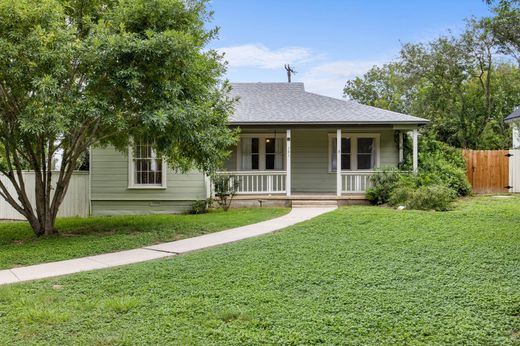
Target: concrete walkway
[{"x": 148, "y": 253}]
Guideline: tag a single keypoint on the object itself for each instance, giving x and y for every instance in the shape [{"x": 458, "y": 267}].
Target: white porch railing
[
  {"x": 355, "y": 182},
  {"x": 259, "y": 182}
]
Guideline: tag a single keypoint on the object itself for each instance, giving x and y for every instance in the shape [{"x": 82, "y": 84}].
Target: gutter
[{"x": 329, "y": 123}]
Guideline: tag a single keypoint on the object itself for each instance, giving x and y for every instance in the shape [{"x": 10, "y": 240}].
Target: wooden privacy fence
[
  {"x": 75, "y": 203},
  {"x": 489, "y": 171}
]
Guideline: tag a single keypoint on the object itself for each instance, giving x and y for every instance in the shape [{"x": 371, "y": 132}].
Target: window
[
  {"x": 365, "y": 153},
  {"x": 359, "y": 151},
  {"x": 345, "y": 153},
  {"x": 146, "y": 169},
  {"x": 261, "y": 152},
  {"x": 273, "y": 153},
  {"x": 250, "y": 153},
  {"x": 255, "y": 153}
]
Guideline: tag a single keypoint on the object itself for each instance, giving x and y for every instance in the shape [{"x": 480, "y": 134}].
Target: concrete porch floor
[
  {"x": 282, "y": 200},
  {"x": 304, "y": 196}
]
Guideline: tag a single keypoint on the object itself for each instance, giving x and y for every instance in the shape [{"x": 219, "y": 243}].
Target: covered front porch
[{"x": 301, "y": 162}]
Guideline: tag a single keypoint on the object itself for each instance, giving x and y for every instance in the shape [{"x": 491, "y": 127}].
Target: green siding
[
  {"x": 109, "y": 182},
  {"x": 310, "y": 157},
  {"x": 109, "y": 174},
  {"x": 102, "y": 208},
  {"x": 389, "y": 149},
  {"x": 310, "y": 161}
]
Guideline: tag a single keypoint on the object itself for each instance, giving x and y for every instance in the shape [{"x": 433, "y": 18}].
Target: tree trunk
[{"x": 43, "y": 227}]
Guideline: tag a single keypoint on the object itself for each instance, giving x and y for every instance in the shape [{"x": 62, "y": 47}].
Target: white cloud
[
  {"x": 330, "y": 78},
  {"x": 327, "y": 78},
  {"x": 259, "y": 56}
]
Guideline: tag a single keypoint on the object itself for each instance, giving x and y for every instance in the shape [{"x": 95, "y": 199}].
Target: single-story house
[
  {"x": 291, "y": 145},
  {"x": 514, "y": 120}
]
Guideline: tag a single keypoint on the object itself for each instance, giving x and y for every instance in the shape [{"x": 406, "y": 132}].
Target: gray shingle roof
[
  {"x": 289, "y": 103},
  {"x": 514, "y": 116}
]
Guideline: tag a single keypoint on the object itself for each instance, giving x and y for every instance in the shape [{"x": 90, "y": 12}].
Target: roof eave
[{"x": 405, "y": 122}]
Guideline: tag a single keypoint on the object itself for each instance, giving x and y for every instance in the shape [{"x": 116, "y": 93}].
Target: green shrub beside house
[{"x": 441, "y": 178}]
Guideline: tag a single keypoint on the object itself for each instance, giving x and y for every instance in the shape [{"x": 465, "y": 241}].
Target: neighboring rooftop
[
  {"x": 289, "y": 103},
  {"x": 514, "y": 116}
]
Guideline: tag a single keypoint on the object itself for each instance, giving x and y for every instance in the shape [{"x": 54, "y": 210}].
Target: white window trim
[
  {"x": 353, "y": 150},
  {"x": 261, "y": 150},
  {"x": 131, "y": 176}
]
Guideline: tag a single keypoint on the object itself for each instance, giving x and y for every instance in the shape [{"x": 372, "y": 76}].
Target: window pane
[
  {"x": 269, "y": 161},
  {"x": 270, "y": 145},
  {"x": 345, "y": 153},
  {"x": 345, "y": 145},
  {"x": 345, "y": 161},
  {"x": 255, "y": 145},
  {"x": 365, "y": 145},
  {"x": 255, "y": 161},
  {"x": 364, "y": 161}
]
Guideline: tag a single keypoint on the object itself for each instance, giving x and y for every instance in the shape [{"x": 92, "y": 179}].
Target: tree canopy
[
  {"x": 77, "y": 73},
  {"x": 465, "y": 84}
]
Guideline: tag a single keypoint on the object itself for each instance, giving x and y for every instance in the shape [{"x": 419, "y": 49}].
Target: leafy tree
[
  {"x": 461, "y": 83},
  {"x": 78, "y": 73},
  {"x": 506, "y": 25}
]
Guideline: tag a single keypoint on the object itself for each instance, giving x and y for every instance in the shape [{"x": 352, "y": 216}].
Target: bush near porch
[
  {"x": 441, "y": 178},
  {"x": 359, "y": 275}
]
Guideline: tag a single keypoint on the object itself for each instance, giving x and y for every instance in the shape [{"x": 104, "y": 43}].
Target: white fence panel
[
  {"x": 75, "y": 203},
  {"x": 355, "y": 182},
  {"x": 514, "y": 170}
]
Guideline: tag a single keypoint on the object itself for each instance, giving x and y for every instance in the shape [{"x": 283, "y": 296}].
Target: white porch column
[
  {"x": 288, "y": 163},
  {"x": 415, "y": 158},
  {"x": 401, "y": 147},
  {"x": 338, "y": 162}
]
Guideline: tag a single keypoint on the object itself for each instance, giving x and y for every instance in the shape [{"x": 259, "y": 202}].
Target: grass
[
  {"x": 359, "y": 276},
  {"x": 89, "y": 236}
]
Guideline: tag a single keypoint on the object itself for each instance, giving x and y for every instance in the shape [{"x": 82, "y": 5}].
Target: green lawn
[
  {"x": 89, "y": 236},
  {"x": 359, "y": 275}
]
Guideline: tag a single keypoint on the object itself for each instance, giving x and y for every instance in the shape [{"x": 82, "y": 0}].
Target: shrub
[
  {"x": 383, "y": 183},
  {"x": 401, "y": 194},
  {"x": 432, "y": 197},
  {"x": 199, "y": 207},
  {"x": 441, "y": 164},
  {"x": 442, "y": 173},
  {"x": 226, "y": 187}
]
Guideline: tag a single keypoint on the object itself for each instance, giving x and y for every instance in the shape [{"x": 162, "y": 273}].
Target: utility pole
[{"x": 290, "y": 71}]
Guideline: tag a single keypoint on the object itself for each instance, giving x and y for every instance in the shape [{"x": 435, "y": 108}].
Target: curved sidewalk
[{"x": 147, "y": 253}]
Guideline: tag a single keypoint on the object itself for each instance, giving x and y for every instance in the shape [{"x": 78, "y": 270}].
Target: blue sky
[{"x": 328, "y": 41}]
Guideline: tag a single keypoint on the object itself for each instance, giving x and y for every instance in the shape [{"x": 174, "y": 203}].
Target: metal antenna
[{"x": 290, "y": 71}]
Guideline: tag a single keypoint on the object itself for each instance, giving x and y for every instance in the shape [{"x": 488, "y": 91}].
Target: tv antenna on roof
[{"x": 290, "y": 71}]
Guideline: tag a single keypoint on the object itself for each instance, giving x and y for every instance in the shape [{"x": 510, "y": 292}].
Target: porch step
[{"x": 309, "y": 203}]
